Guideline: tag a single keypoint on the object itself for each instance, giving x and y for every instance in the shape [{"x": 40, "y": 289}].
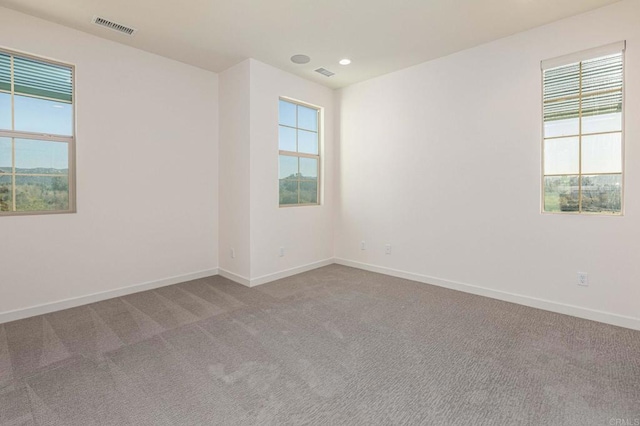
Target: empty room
[{"x": 296, "y": 212}]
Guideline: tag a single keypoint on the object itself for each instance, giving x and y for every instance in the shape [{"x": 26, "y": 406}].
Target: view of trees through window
[
  {"x": 36, "y": 135},
  {"x": 583, "y": 136},
  {"x": 299, "y": 162}
]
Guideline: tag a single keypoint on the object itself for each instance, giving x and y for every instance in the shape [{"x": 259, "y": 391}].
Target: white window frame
[
  {"x": 45, "y": 137},
  {"x": 578, "y": 57},
  {"x": 303, "y": 155}
]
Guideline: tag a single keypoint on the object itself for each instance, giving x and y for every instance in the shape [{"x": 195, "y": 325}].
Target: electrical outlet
[
  {"x": 387, "y": 248},
  {"x": 232, "y": 253},
  {"x": 583, "y": 279},
  {"x": 363, "y": 245},
  {"x": 281, "y": 251}
]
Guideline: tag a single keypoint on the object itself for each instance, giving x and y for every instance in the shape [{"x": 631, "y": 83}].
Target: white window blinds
[{"x": 35, "y": 78}]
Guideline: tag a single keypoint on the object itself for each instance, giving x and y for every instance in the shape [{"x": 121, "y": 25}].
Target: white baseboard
[
  {"x": 289, "y": 272},
  {"x": 247, "y": 282},
  {"x": 235, "y": 277},
  {"x": 547, "y": 305},
  {"x": 103, "y": 295}
]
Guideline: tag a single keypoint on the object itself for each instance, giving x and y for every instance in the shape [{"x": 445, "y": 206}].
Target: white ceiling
[{"x": 379, "y": 36}]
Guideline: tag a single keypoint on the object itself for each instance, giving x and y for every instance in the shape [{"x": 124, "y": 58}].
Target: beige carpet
[{"x": 333, "y": 346}]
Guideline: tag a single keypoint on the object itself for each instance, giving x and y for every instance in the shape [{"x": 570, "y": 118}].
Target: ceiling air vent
[
  {"x": 123, "y": 29},
  {"x": 325, "y": 72}
]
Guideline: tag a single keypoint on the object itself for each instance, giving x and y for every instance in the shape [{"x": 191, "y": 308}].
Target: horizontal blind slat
[
  {"x": 601, "y": 88},
  {"x": 5, "y": 72},
  {"x": 37, "y": 78}
]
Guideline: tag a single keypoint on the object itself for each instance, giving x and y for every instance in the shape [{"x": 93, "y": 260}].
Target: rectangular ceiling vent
[
  {"x": 123, "y": 29},
  {"x": 325, "y": 72}
]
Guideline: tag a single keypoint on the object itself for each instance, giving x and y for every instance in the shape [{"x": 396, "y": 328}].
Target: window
[
  {"x": 299, "y": 142},
  {"x": 36, "y": 136},
  {"x": 583, "y": 132}
]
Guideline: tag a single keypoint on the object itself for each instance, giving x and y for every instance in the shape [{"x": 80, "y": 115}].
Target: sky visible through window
[
  {"x": 602, "y": 152},
  {"x": 39, "y": 116}
]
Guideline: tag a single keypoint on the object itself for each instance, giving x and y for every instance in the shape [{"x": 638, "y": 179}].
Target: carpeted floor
[{"x": 333, "y": 346}]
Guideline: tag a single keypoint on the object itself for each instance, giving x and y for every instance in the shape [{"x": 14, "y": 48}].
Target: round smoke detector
[{"x": 300, "y": 59}]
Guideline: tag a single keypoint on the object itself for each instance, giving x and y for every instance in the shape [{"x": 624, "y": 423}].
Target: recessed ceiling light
[
  {"x": 345, "y": 61},
  {"x": 300, "y": 59}
]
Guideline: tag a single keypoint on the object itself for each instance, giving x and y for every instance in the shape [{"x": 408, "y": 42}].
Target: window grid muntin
[
  {"x": 16, "y": 134},
  {"x": 297, "y": 154},
  {"x": 580, "y": 96}
]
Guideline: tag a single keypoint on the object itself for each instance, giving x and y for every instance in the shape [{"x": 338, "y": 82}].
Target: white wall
[
  {"x": 234, "y": 171},
  {"x": 147, "y": 154},
  {"x": 442, "y": 160},
  {"x": 251, "y": 222},
  {"x": 306, "y": 232}
]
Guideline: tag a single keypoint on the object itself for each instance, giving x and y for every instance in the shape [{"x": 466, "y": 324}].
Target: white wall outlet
[
  {"x": 363, "y": 245},
  {"x": 583, "y": 279},
  {"x": 232, "y": 253},
  {"x": 387, "y": 249},
  {"x": 281, "y": 251}
]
